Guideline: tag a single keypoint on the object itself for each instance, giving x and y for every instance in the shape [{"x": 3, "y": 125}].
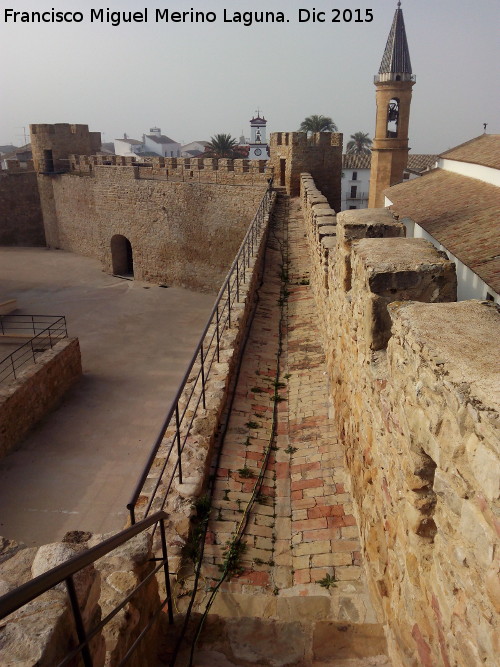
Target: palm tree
[
  {"x": 222, "y": 145},
  {"x": 316, "y": 123},
  {"x": 360, "y": 143}
]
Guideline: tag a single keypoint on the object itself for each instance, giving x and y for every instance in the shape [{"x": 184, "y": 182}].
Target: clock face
[{"x": 257, "y": 151}]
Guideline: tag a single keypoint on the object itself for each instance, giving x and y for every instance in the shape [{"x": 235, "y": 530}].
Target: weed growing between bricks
[{"x": 235, "y": 547}]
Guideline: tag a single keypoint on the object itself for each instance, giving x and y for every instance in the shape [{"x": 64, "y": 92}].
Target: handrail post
[
  {"x": 178, "y": 436},
  {"x": 32, "y": 350},
  {"x": 217, "y": 331},
  {"x": 238, "y": 280},
  {"x": 202, "y": 377},
  {"x": 80, "y": 628},
  {"x": 13, "y": 367},
  {"x": 166, "y": 571},
  {"x": 131, "y": 511},
  {"x": 229, "y": 302}
]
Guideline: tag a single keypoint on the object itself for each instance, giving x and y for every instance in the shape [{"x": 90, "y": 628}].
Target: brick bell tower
[{"x": 394, "y": 83}]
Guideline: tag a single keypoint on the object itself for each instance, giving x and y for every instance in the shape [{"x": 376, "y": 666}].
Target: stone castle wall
[
  {"x": 181, "y": 233},
  {"x": 414, "y": 380},
  {"x": 21, "y": 222}
]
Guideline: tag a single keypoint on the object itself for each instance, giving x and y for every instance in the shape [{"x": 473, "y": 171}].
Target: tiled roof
[
  {"x": 132, "y": 142},
  {"x": 461, "y": 213},
  {"x": 484, "y": 150},
  {"x": 417, "y": 162},
  {"x": 356, "y": 161},
  {"x": 396, "y": 56},
  {"x": 162, "y": 139}
]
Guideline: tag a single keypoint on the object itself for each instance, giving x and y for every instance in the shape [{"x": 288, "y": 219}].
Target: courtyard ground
[{"x": 78, "y": 467}]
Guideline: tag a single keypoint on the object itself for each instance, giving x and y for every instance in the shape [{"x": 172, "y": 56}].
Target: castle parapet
[
  {"x": 414, "y": 388},
  {"x": 201, "y": 170}
]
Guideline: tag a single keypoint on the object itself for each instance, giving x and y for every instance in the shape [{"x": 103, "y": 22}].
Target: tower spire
[{"x": 396, "y": 58}]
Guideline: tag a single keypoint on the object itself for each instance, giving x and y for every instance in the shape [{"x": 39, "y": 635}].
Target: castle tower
[
  {"x": 394, "y": 84},
  {"x": 258, "y": 143}
]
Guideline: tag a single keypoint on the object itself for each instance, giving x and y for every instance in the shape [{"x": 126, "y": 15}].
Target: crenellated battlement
[
  {"x": 51, "y": 145},
  {"x": 200, "y": 170}
]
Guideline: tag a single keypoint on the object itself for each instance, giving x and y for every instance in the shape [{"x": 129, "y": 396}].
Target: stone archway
[{"x": 122, "y": 258}]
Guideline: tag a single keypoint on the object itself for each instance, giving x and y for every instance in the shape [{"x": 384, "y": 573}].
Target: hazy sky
[{"x": 195, "y": 80}]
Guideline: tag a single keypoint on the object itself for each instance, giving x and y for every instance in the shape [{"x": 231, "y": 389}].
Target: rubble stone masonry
[
  {"x": 37, "y": 390},
  {"x": 414, "y": 379}
]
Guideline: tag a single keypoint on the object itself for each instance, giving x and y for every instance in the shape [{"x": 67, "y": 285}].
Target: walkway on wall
[{"x": 295, "y": 592}]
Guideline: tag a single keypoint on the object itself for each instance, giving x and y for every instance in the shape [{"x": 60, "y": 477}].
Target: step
[{"x": 246, "y": 641}]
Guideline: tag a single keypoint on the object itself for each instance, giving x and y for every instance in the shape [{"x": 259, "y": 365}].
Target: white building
[
  {"x": 356, "y": 170},
  {"x": 456, "y": 206},
  {"x": 194, "y": 148},
  {"x": 158, "y": 143},
  {"x": 128, "y": 147}
]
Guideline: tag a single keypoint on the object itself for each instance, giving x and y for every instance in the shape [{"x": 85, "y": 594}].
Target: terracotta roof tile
[
  {"x": 416, "y": 162},
  {"x": 356, "y": 161},
  {"x": 162, "y": 139},
  {"x": 421, "y": 161},
  {"x": 484, "y": 150},
  {"x": 461, "y": 213}
]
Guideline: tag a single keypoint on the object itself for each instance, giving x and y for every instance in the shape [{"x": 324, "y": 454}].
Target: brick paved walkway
[{"x": 301, "y": 529}]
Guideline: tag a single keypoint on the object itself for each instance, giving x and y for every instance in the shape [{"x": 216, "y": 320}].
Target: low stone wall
[
  {"x": 37, "y": 390},
  {"x": 414, "y": 379}
]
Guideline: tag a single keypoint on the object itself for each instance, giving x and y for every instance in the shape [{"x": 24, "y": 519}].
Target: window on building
[
  {"x": 352, "y": 207},
  {"x": 489, "y": 297},
  {"x": 354, "y": 176},
  {"x": 354, "y": 190},
  {"x": 406, "y": 176}
]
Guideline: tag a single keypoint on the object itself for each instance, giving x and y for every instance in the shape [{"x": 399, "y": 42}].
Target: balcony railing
[{"x": 358, "y": 195}]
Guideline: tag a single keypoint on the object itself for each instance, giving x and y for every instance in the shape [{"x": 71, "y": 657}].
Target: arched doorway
[{"x": 121, "y": 256}]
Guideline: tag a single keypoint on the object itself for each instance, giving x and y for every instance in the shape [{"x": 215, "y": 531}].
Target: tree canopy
[
  {"x": 360, "y": 143},
  {"x": 317, "y": 123},
  {"x": 223, "y": 146}
]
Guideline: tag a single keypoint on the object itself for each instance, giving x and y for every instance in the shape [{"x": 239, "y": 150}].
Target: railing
[
  {"x": 358, "y": 195},
  {"x": 65, "y": 572},
  {"x": 191, "y": 393},
  {"x": 46, "y": 331}
]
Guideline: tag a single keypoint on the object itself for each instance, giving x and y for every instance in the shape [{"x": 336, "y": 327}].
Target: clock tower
[
  {"x": 394, "y": 84},
  {"x": 258, "y": 146}
]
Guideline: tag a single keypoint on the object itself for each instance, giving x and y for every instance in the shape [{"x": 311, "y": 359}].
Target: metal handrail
[
  {"x": 218, "y": 321},
  {"x": 39, "y": 343},
  {"x": 14, "y": 600}
]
